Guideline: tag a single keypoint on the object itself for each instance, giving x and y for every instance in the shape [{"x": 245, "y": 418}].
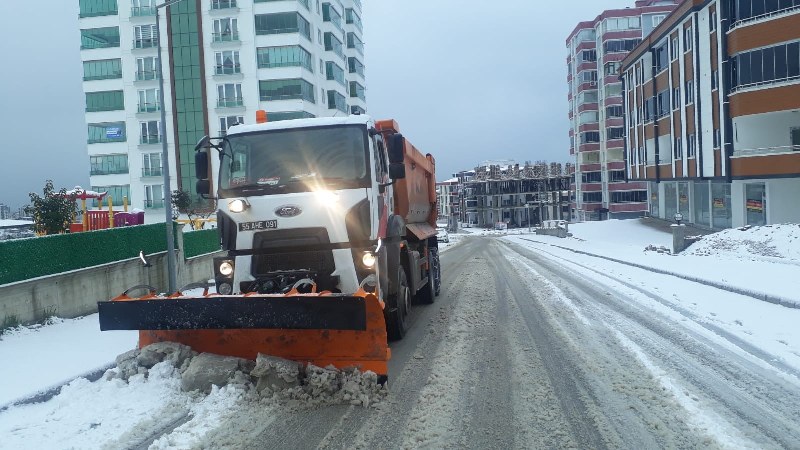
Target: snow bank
[{"x": 771, "y": 241}]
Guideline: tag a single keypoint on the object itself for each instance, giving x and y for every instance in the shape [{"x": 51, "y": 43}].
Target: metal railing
[
  {"x": 143, "y": 11},
  {"x": 769, "y": 15},
  {"x": 777, "y": 81},
  {"x": 150, "y": 139},
  {"x": 227, "y": 69},
  {"x": 145, "y": 43},
  {"x": 149, "y": 107}
]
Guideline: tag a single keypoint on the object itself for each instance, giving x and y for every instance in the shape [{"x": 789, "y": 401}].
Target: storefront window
[
  {"x": 702, "y": 204},
  {"x": 654, "y": 199},
  {"x": 755, "y": 204},
  {"x": 721, "y": 205},
  {"x": 670, "y": 201},
  {"x": 683, "y": 200}
]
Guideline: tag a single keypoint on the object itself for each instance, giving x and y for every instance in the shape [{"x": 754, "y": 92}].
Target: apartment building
[
  {"x": 596, "y": 49},
  {"x": 712, "y": 101},
  {"x": 447, "y": 204},
  {"x": 226, "y": 59}
]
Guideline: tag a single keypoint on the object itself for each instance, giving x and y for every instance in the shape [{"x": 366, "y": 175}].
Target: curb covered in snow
[
  {"x": 48, "y": 393},
  {"x": 774, "y": 299}
]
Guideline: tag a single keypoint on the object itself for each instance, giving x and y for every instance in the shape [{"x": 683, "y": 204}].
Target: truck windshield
[{"x": 295, "y": 160}]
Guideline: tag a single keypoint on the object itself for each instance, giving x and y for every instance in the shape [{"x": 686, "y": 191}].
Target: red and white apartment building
[
  {"x": 712, "y": 113},
  {"x": 596, "y": 50}
]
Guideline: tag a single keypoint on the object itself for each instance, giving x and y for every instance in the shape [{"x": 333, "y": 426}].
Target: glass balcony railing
[
  {"x": 152, "y": 172},
  {"x": 227, "y": 69},
  {"x": 143, "y": 11},
  {"x": 153, "y": 204},
  {"x": 145, "y": 43},
  {"x": 149, "y": 107},
  {"x": 223, "y": 4},
  {"x": 150, "y": 139},
  {"x": 144, "y": 75},
  {"x": 225, "y": 37},
  {"x": 230, "y": 102}
]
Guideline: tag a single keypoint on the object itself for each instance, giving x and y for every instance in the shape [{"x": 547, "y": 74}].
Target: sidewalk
[{"x": 666, "y": 226}]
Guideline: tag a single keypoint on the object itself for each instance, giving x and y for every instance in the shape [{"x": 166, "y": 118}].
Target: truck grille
[{"x": 320, "y": 261}]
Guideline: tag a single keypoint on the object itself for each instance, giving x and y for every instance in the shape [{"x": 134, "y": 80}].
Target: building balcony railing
[
  {"x": 144, "y": 75},
  {"x": 143, "y": 11},
  {"x": 154, "y": 204},
  {"x": 152, "y": 172},
  {"x": 99, "y": 171},
  {"x": 227, "y": 69},
  {"x": 149, "y": 107},
  {"x": 765, "y": 151},
  {"x": 222, "y": 4},
  {"x": 230, "y": 102},
  {"x": 150, "y": 139},
  {"x": 225, "y": 37},
  {"x": 145, "y": 43}
]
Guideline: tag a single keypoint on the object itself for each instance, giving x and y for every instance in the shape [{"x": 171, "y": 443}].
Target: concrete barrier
[{"x": 76, "y": 293}]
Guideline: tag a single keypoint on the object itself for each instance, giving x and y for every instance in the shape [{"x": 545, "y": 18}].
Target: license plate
[{"x": 259, "y": 225}]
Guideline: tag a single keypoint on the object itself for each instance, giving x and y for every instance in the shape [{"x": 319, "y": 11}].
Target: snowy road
[{"x": 518, "y": 352}]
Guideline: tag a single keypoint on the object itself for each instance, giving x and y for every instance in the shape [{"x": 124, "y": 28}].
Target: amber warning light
[{"x": 261, "y": 116}]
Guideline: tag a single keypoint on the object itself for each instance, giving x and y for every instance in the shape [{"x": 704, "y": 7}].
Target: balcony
[
  {"x": 145, "y": 43},
  {"x": 225, "y": 37},
  {"x": 149, "y": 107},
  {"x": 227, "y": 69},
  {"x": 145, "y": 75},
  {"x": 103, "y": 171},
  {"x": 150, "y": 139},
  {"x": 143, "y": 11},
  {"x": 152, "y": 172},
  {"x": 222, "y": 4},
  {"x": 230, "y": 102},
  {"x": 153, "y": 204}
]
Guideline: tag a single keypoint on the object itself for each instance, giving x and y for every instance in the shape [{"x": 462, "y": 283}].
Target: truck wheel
[
  {"x": 399, "y": 304},
  {"x": 436, "y": 270},
  {"x": 427, "y": 295}
]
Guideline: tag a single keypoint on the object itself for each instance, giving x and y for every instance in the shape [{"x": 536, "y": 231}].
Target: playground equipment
[{"x": 99, "y": 219}]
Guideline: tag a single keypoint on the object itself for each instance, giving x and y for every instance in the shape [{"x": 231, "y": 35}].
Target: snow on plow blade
[{"x": 322, "y": 329}]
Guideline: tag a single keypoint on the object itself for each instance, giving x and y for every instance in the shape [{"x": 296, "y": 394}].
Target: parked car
[{"x": 442, "y": 235}]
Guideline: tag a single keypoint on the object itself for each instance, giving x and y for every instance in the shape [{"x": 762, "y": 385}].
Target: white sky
[{"x": 466, "y": 80}]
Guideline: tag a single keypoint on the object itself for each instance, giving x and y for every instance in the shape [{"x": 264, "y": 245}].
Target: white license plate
[{"x": 258, "y": 225}]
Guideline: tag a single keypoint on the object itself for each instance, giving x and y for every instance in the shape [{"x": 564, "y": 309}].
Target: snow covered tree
[
  {"x": 53, "y": 211},
  {"x": 183, "y": 203}
]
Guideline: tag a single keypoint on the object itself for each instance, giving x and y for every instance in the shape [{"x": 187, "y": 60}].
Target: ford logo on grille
[{"x": 288, "y": 211}]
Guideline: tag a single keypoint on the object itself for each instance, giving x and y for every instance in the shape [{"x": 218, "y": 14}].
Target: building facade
[
  {"x": 447, "y": 204},
  {"x": 712, "y": 101},
  {"x": 596, "y": 49},
  {"x": 227, "y": 59}
]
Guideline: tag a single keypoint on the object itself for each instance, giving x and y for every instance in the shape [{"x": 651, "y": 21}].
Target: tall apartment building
[
  {"x": 5, "y": 211},
  {"x": 596, "y": 48},
  {"x": 713, "y": 113},
  {"x": 227, "y": 59}
]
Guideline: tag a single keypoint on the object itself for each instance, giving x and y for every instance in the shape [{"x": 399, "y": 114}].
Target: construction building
[
  {"x": 712, "y": 103},
  {"x": 596, "y": 133}
]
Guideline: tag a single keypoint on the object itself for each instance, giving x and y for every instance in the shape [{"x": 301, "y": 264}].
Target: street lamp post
[{"x": 171, "y": 265}]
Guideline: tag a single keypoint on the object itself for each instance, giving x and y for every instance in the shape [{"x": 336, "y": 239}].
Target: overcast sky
[{"x": 467, "y": 81}]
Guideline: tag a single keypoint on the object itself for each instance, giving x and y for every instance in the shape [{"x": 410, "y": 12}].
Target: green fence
[
  {"x": 200, "y": 242},
  {"x": 24, "y": 259}
]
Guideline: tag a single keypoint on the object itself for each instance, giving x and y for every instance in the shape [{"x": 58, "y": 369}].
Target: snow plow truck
[{"x": 329, "y": 229}]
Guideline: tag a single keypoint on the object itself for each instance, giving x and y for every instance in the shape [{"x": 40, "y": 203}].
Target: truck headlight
[
  {"x": 368, "y": 259},
  {"x": 238, "y": 205},
  {"x": 226, "y": 268}
]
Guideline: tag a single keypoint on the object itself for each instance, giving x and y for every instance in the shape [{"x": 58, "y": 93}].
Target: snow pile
[{"x": 771, "y": 241}]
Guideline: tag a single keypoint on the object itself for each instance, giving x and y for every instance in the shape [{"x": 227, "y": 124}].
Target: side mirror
[
  {"x": 396, "y": 148},
  {"x": 397, "y": 171},
  {"x": 203, "y": 187},
  {"x": 201, "y": 165},
  {"x": 205, "y": 142}
]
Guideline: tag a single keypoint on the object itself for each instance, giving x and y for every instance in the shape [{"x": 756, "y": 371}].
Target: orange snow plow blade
[{"x": 319, "y": 328}]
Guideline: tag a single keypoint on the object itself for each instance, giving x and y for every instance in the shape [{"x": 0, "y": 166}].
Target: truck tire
[
  {"x": 427, "y": 295},
  {"x": 398, "y": 307},
  {"x": 436, "y": 269}
]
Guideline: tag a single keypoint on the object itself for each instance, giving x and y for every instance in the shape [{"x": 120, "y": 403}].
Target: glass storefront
[
  {"x": 654, "y": 210},
  {"x": 683, "y": 200},
  {"x": 755, "y": 196},
  {"x": 670, "y": 201},
  {"x": 721, "y": 205},
  {"x": 702, "y": 204}
]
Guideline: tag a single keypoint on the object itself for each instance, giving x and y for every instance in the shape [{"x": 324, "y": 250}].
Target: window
[
  {"x": 289, "y": 89},
  {"x": 590, "y": 137},
  {"x": 144, "y": 36},
  {"x": 621, "y": 24},
  {"x": 151, "y": 165},
  {"x": 106, "y": 132},
  {"x": 712, "y": 20},
  {"x": 289, "y": 115},
  {"x": 223, "y": 4},
  {"x": 355, "y": 66},
  {"x": 691, "y": 149},
  {"x": 108, "y": 164},
  {"x": 319, "y": 36},
  {"x": 229, "y": 121},
  {"x": 154, "y": 196},
  {"x": 588, "y": 76},
  {"x": 352, "y": 18},
  {"x": 148, "y": 100},
  {"x": 146, "y": 68},
  {"x": 284, "y": 56},
  {"x": 334, "y": 72},
  {"x": 716, "y": 138},
  {"x": 102, "y": 69},
  {"x": 639, "y": 74},
  {"x": 229, "y": 95},
  {"x": 660, "y": 57},
  {"x": 615, "y": 133},
  {"x": 688, "y": 39},
  {"x": 94, "y": 8},
  {"x": 689, "y": 92},
  {"x": 766, "y": 65},
  {"x": 587, "y": 97},
  {"x": 141, "y": 8},
  {"x": 676, "y": 97},
  {"x": 650, "y": 109},
  {"x": 657, "y": 19},
  {"x": 616, "y": 176},
  {"x": 714, "y": 80},
  {"x": 290, "y": 22},
  {"x": 329, "y": 14},
  {"x": 678, "y": 148},
  {"x": 614, "y": 111},
  {"x": 105, "y": 101},
  {"x": 332, "y": 44},
  {"x": 592, "y": 197},
  {"x": 750, "y": 9},
  {"x": 150, "y": 132},
  {"x": 674, "y": 49},
  {"x": 227, "y": 63},
  {"x": 612, "y": 68},
  {"x": 587, "y": 117},
  {"x": 589, "y": 55},
  {"x": 613, "y": 90},
  {"x": 662, "y": 103},
  {"x": 621, "y": 45},
  {"x": 99, "y": 38},
  {"x": 117, "y": 193},
  {"x": 337, "y": 101},
  {"x": 591, "y": 177},
  {"x": 629, "y": 197},
  {"x": 226, "y": 30},
  {"x": 357, "y": 91},
  {"x": 354, "y": 42}
]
